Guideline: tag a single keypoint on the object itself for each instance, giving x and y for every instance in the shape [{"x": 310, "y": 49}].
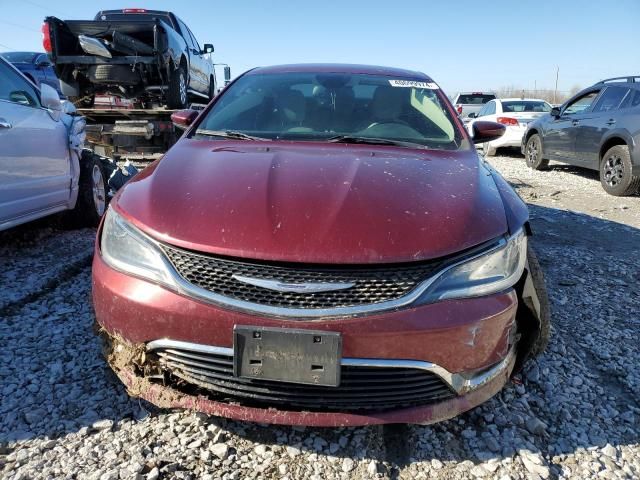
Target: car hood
[{"x": 315, "y": 202}]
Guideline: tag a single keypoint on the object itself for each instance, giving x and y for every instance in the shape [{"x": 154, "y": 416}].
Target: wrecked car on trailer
[
  {"x": 323, "y": 247},
  {"x": 149, "y": 56}
]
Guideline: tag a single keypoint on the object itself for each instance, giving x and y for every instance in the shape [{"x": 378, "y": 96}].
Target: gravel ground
[{"x": 573, "y": 413}]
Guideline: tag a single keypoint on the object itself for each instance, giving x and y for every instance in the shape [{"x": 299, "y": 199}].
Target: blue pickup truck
[
  {"x": 36, "y": 66},
  {"x": 148, "y": 56}
]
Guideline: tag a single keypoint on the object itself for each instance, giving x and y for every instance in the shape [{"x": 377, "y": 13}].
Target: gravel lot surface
[{"x": 573, "y": 413}]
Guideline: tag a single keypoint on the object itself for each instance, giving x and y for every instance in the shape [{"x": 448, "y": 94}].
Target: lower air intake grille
[{"x": 361, "y": 388}]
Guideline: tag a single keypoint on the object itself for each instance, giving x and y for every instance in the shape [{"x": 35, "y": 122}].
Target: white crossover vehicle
[
  {"x": 43, "y": 167},
  {"x": 513, "y": 113}
]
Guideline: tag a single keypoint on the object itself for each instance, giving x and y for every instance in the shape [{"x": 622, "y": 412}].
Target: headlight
[
  {"x": 487, "y": 273},
  {"x": 126, "y": 249}
]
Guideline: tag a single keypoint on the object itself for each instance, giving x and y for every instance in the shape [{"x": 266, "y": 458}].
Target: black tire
[
  {"x": 537, "y": 278},
  {"x": 212, "y": 88},
  {"x": 93, "y": 191},
  {"x": 177, "y": 95},
  {"x": 616, "y": 175},
  {"x": 83, "y": 102},
  {"x": 533, "y": 153}
]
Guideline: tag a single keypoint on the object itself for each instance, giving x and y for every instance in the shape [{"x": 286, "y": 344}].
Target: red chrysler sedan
[{"x": 322, "y": 247}]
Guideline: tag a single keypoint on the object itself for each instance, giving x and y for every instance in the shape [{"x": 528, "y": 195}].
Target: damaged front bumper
[{"x": 139, "y": 369}]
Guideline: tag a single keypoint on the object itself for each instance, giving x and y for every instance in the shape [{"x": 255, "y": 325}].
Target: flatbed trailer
[{"x": 140, "y": 136}]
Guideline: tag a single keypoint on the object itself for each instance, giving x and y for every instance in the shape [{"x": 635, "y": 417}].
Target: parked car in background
[
  {"x": 323, "y": 246},
  {"x": 470, "y": 102},
  {"x": 43, "y": 169},
  {"x": 145, "y": 55},
  {"x": 515, "y": 114},
  {"x": 598, "y": 128},
  {"x": 35, "y": 66}
]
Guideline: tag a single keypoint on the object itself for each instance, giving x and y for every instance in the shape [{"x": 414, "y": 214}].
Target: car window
[
  {"x": 491, "y": 108},
  {"x": 610, "y": 99},
  {"x": 581, "y": 104},
  {"x": 14, "y": 88},
  {"x": 194, "y": 41},
  {"x": 305, "y": 106},
  {"x": 632, "y": 100},
  {"x": 185, "y": 34},
  {"x": 514, "y": 106},
  {"x": 475, "y": 98},
  {"x": 483, "y": 111}
]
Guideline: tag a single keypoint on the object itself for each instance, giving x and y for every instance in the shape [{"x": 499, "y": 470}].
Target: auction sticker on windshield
[{"x": 413, "y": 84}]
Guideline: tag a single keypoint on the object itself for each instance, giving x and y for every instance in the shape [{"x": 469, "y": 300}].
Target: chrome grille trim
[{"x": 460, "y": 383}]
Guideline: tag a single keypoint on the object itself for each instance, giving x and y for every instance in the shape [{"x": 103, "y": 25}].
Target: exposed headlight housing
[
  {"x": 484, "y": 274},
  {"x": 127, "y": 249}
]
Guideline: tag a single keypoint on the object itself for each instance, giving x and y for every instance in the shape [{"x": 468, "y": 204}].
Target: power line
[
  {"x": 44, "y": 7},
  {"x": 24, "y": 27}
]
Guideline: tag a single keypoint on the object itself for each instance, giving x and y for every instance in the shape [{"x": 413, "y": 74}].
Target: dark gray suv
[{"x": 599, "y": 129}]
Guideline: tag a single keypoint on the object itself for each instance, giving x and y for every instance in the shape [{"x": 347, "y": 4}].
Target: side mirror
[
  {"x": 184, "y": 118},
  {"x": 227, "y": 74},
  {"x": 555, "y": 112},
  {"x": 484, "y": 131},
  {"x": 208, "y": 48},
  {"x": 50, "y": 98},
  {"x": 473, "y": 115}
]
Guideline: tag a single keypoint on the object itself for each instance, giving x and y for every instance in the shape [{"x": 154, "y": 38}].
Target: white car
[
  {"x": 513, "y": 113},
  {"x": 43, "y": 167}
]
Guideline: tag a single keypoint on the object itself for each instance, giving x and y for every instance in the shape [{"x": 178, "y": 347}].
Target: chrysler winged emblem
[{"x": 279, "y": 286}]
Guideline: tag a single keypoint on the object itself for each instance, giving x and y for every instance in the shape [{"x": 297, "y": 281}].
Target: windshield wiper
[
  {"x": 372, "y": 141},
  {"x": 228, "y": 134}
]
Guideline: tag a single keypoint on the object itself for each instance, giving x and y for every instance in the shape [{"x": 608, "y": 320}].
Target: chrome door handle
[
  {"x": 4, "y": 123},
  {"x": 611, "y": 121}
]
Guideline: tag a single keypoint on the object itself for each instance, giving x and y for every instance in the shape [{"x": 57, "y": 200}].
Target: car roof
[
  {"x": 343, "y": 68},
  {"x": 475, "y": 92}
]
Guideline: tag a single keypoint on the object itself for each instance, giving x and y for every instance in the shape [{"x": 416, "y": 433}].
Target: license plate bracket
[{"x": 308, "y": 357}]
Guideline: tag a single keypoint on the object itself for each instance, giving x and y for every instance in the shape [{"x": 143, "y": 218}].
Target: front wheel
[
  {"x": 615, "y": 172},
  {"x": 533, "y": 153},
  {"x": 92, "y": 192}
]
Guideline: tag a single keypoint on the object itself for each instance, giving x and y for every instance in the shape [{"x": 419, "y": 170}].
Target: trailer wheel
[
  {"x": 177, "y": 94},
  {"x": 92, "y": 192}
]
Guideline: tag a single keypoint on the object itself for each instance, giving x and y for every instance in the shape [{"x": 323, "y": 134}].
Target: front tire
[
  {"x": 533, "y": 153},
  {"x": 92, "y": 192},
  {"x": 177, "y": 94},
  {"x": 616, "y": 172}
]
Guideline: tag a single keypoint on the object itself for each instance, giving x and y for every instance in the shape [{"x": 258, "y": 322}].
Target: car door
[
  {"x": 35, "y": 168},
  {"x": 196, "y": 81},
  {"x": 560, "y": 132},
  {"x": 595, "y": 123},
  {"x": 201, "y": 65}
]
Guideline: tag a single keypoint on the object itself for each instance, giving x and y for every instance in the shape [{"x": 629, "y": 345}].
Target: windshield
[
  {"x": 525, "y": 106},
  {"x": 19, "y": 57},
  {"x": 475, "y": 98},
  {"x": 335, "y": 107}
]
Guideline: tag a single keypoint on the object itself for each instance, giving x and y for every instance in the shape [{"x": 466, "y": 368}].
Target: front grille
[
  {"x": 361, "y": 388},
  {"x": 372, "y": 284}
]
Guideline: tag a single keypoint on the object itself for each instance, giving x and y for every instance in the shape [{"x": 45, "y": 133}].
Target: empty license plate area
[{"x": 288, "y": 355}]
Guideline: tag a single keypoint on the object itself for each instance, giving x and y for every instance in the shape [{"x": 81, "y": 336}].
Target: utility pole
[{"x": 556, "y": 89}]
